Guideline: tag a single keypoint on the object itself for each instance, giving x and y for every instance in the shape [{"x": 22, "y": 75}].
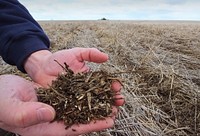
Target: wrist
[{"x": 35, "y": 63}]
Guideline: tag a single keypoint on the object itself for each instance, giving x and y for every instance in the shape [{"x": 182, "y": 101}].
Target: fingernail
[{"x": 45, "y": 114}]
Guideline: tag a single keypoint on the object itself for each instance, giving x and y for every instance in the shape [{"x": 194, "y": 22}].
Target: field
[{"x": 158, "y": 62}]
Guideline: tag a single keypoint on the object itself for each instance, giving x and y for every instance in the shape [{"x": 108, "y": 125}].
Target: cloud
[
  {"x": 114, "y": 9},
  {"x": 175, "y": 2}
]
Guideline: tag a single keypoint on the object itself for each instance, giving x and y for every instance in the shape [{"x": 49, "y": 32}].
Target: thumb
[{"x": 28, "y": 113}]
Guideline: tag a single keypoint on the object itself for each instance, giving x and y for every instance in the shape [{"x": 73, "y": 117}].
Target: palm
[
  {"x": 49, "y": 69},
  {"x": 75, "y": 59},
  {"x": 19, "y": 104}
]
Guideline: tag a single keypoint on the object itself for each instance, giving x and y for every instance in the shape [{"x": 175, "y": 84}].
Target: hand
[
  {"x": 19, "y": 106},
  {"x": 42, "y": 68},
  {"x": 21, "y": 113}
]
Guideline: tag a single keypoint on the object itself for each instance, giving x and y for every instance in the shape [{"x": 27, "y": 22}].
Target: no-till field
[{"x": 158, "y": 62}]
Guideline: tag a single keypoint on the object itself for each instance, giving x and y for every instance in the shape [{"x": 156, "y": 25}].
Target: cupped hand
[
  {"x": 21, "y": 113},
  {"x": 42, "y": 67},
  {"x": 19, "y": 106}
]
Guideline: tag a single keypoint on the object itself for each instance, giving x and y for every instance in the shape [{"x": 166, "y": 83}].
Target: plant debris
[
  {"x": 79, "y": 98},
  {"x": 163, "y": 92}
]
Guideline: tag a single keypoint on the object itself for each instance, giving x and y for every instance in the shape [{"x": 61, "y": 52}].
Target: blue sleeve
[{"x": 20, "y": 34}]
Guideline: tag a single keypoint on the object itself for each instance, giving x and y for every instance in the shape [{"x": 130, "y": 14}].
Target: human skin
[
  {"x": 42, "y": 67},
  {"x": 21, "y": 113}
]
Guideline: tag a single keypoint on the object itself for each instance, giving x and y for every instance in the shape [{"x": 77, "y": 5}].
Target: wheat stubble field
[{"x": 158, "y": 62}]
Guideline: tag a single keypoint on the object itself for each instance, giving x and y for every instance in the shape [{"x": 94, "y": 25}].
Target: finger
[
  {"x": 92, "y": 55},
  {"x": 58, "y": 128},
  {"x": 119, "y": 100},
  {"x": 114, "y": 112},
  {"x": 116, "y": 86},
  {"x": 24, "y": 114},
  {"x": 94, "y": 126}
]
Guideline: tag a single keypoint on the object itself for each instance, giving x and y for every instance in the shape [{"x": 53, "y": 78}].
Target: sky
[{"x": 113, "y": 9}]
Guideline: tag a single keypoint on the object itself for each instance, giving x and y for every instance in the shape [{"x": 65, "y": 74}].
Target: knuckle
[{"x": 20, "y": 119}]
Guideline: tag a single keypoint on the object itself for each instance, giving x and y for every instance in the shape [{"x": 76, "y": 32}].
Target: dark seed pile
[{"x": 79, "y": 98}]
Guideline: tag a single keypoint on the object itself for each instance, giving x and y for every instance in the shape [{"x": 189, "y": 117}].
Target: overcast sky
[{"x": 113, "y": 9}]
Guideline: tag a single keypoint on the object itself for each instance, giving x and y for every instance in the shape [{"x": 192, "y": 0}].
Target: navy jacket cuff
[{"x": 20, "y": 50}]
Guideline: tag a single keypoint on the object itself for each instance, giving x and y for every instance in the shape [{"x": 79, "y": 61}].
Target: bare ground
[{"x": 159, "y": 63}]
